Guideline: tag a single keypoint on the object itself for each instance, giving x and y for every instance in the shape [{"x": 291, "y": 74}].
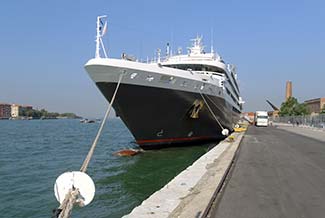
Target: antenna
[
  {"x": 158, "y": 54},
  {"x": 101, "y": 30},
  {"x": 171, "y": 42},
  {"x": 212, "y": 51},
  {"x": 167, "y": 50},
  {"x": 179, "y": 50}
]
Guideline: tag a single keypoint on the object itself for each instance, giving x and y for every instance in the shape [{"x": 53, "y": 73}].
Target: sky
[{"x": 44, "y": 45}]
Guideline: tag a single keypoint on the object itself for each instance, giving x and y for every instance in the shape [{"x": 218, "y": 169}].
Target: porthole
[
  {"x": 184, "y": 84},
  {"x": 167, "y": 79},
  {"x": 133, "y": 75}
]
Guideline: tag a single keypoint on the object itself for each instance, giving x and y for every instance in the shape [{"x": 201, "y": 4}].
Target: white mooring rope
[
  {"x": 214, "y": 116},
  {"x": 73, "y": 196},
  {"x": 91, "y": 151}
]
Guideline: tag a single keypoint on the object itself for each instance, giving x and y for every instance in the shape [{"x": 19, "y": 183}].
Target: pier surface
[{"x": 279, "y": 172}]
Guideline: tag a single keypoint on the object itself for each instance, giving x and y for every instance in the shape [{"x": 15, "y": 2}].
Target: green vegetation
[
  {"x": 292, "y": 108},
  {"x": 44, "y": 114}
]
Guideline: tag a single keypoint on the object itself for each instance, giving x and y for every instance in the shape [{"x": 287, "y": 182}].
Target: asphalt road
[{"x": 277, "y": 174}]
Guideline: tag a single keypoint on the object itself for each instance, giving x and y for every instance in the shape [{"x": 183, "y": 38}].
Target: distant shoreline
[{"x": 40, "y": 118}]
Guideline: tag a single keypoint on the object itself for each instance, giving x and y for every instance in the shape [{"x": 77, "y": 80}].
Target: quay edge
[{"x": 191, "y": 192}]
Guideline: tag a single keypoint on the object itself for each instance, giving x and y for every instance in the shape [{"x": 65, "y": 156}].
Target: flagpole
[
  {"x": 97, "y": 55},
  {"x": 101, "y": 42},
  {"x": 101, "y": 29}
]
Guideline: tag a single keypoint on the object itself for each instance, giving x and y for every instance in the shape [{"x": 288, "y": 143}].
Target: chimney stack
[{"x": 288, "y": 90}]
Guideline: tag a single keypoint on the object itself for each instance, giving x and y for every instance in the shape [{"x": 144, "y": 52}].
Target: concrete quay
[
  {"x": 189, "y": 193},
  {"x": 316, "y": 133},
  {"x": 279, "y": 172}
]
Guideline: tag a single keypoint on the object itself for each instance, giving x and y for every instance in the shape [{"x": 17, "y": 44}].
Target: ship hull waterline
[{"x": 159, "y": 117}]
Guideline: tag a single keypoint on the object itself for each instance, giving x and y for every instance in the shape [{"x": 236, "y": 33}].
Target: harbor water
[{"x": 34, "y": 153}]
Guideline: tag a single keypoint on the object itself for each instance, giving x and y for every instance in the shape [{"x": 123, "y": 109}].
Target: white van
[{"x": 261, "y": 118}]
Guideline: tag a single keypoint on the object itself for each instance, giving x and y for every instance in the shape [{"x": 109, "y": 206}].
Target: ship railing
[
  {"x": 127, "y": 57},
  {"x": 163, "y": 59}
]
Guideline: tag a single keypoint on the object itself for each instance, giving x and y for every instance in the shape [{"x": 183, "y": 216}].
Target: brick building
[
  {"x": 314, "y": 106},
  {"x": 5, "y": 111},
  {"x": 17, "y": 110}
]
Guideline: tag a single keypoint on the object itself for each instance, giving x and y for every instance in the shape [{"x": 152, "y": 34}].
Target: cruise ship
[{"x": 179, "y": 99}]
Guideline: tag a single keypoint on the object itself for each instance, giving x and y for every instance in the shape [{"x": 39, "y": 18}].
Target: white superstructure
[
  {"x": 210, "y": 67},
  {"x": 190, "y": 97},
  {"x": 196, "y": 71}
]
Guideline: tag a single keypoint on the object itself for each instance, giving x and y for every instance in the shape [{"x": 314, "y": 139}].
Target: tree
[
  {"x": 292, "y": 107},
  {"x": 36, "y": 114},
  {"x": 29, "y": 113},
  {"x": 44, "y": 113},
  {"x": 69, "y": 115}
]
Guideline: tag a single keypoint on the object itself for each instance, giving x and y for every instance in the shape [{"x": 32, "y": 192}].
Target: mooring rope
[
  {"x": 213, "y": 102},
  {"x": 214, "y": 116},
  {"x": 91, "y": 151},
  {"x": 73, "y": 196},
  {"x": 65, "y": 209}
]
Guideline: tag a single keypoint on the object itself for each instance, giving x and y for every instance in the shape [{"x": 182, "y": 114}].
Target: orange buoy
[{"x": 127, "y": 152}]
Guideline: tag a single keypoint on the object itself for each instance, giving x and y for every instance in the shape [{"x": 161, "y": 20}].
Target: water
[{"x": 34, "y": 153}]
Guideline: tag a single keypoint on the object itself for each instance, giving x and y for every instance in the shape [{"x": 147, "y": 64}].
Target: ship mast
[
  {"x": 101, "y": 30},
  {"x": 197, "y": 47}
]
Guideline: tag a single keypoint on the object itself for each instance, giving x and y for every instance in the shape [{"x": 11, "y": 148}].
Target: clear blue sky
[{"x": 45, "y": 44}]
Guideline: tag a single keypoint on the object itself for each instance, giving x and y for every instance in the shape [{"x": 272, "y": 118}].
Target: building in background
[
  {"x": 17, "y": 110},
  {"x": 288, "y": 90},
  {"x": 275, "y": 113},
  {"x": 24, "y": 108},
  {"x": 5, "y": 111},
  {"x": 249, "y": 116},
  {"x": 314, "y": 106}
]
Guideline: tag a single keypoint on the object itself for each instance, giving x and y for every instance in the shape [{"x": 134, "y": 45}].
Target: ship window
[
  {"x": 133, "y": 75},
  {"x": 184, "y": 84},
  {"x": 167, "y": 79},
  {"x": 197, "y": 67},
  {"x": 202, "y": 87},
  {"x": 262, "y": 117}
]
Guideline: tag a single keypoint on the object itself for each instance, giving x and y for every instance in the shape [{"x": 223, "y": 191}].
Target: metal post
[{"x": 97, "y": 55}]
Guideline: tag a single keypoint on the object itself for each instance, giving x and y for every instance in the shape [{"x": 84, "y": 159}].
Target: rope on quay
[
  {"x": 224, "y": 130},
  {"x": 73, "y": 196}
]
